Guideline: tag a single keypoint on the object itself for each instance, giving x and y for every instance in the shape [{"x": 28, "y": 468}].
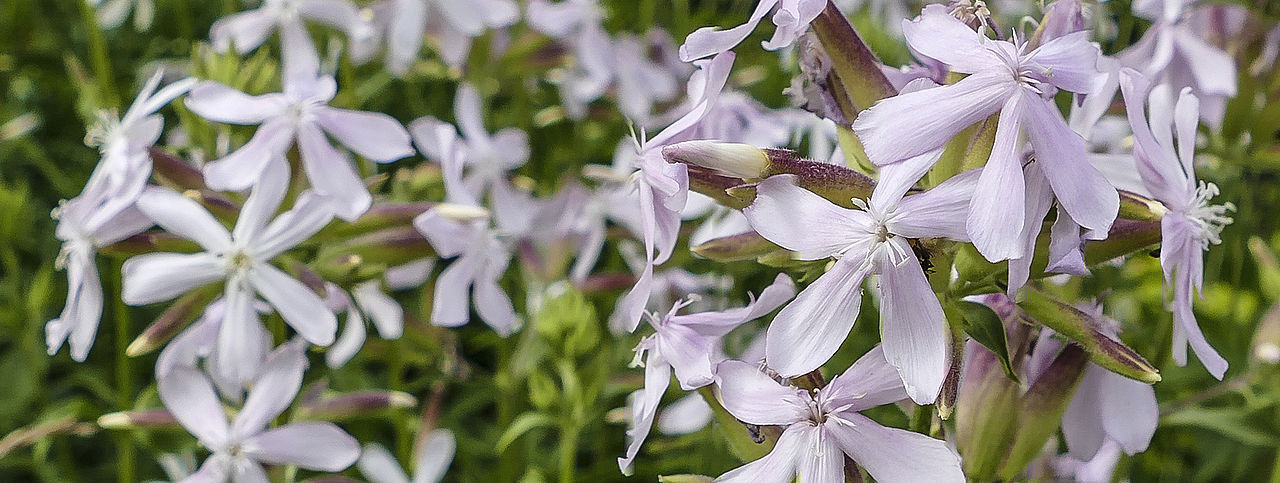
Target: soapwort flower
[
  {"x": 874, "y": 239},
  {"x": 242, "y": 258},
  {"x": 1005, "y": 77},
  {"x": 432, "y": 460},
  {"x": 301, "y": 112},
  {"x": 1190, "y": 223},
  {"x": 241, "y": 446},
  {"x": 823, "y": 426},
  {"x": 792, "y": 18},
  {"x": 689, "y": 344}
]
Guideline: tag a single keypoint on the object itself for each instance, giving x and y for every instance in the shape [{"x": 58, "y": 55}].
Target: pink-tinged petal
[
  {"x": 825, "y": 462},
  {"x": 243, "y": 167},
  {"x": 1064, "y": 247},
  {"x": 244, "y": 470},
  {"x": 379, "y": 466},
  {"x": 755, "y": 398},
  {"x": 273, "y": 390},
  {"x": 348, "y": 342},
  {"x": 657, "y": 376},
  {"x": 1036, "y": 204},
  {"x": 801, "y": 221},
  {"x": 184, "y": 217},
  {"x": 938, "y": 35},
  {"x": 1129, "y": 410},
  {"x": 868, "y": 383},
  {"x": 220, "y": 103},
  {"x": 689, "y": 354},
  {"x": 1092, "y": 202},
  {"x": 1186, "y": 118},
  {"x": 779, "y": 466},
  {"x": 996, "y": 211},
  {"x": 915, "y": 123},
  {"x": 310, "y": 213},
  {"x": 240, "y": 346},
  {"x": 897, "y": 178},
  {"x": 805, "y": 334},
  {"x": 1213, "y": 68},
  {"x": 468, "y": 110},
  {"x": 1160, "y": 174},
  {"x": 191, "y": 400},
  {"x": 893, "y": 455},
  {"x": 939, "y": 212},
  {"x": 194, "y": 342},
  {"x": 512, "y": 147},
  {"x": 373, "y": 135},
  {"x": 717, "y": 324},
  {"x": 1082, "y": 421},
  {"x": 434, "y": 455},
  {"x": 386, "y": 314},
  {"x": 409, "y": 275},
  {"x": 494, "y": 307},
  {"x": 792, "y": 20},
  {"x": 451, "y": 305},
  {"x": 1069, "y": 62},
  {"x": 685, "y": 416},
  {"x": 1185, "y": 326},
  {"x": 263, "y": 202},
  {"x": 85, "y": 310},
  {"x": 245, "y": 30},
  {"x": 405, "y": 34},
  {"x": 310, "y": 445},
  {"x": 912, "y": 325},
  {"x": 630, "y": 308},
  {"x": 331, "y": 173},
  {"x": 300, "y": 307},
  {"x": 465, "y": 17},
  {"x": 708, "y": 41},
  {"x": 706, "y": 89},
  {"x": 448, "y": 237},
  {"x": 156, "y": 277}
]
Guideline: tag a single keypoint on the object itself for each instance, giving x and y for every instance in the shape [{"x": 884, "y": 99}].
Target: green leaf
[
  {"x": 524, "y": 423},
  {"x": 1228, "y": 422},
  {"x": 981, "y": 323},
  {"x": 685, "y": 479}
]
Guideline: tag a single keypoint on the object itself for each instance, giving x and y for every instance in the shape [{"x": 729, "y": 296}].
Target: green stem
[
  {"x": 126, "y": 453},
  {"x": 98, "y": 57},
  {"x": 568, "y": 449}
]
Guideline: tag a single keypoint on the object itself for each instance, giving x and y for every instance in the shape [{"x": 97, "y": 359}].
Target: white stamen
[{"x": 1210, "y": 219}]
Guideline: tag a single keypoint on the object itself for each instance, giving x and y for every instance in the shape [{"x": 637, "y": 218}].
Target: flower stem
[
  {"x": 568, "y": 449},
  {"x": 125, "y": 453},
  {"x": 98, "y": 57}
]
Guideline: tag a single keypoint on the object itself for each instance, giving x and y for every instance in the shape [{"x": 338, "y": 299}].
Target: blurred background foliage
[{"x": 526, "y": 406}]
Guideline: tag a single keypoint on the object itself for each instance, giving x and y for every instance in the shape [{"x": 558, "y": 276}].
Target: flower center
[
  {"x": 1209, "y": 219},
  {"x": 238, "y": 262},
  {"x": 104, "y": 130}
]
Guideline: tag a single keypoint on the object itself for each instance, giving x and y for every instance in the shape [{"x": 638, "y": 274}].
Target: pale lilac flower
[
  {"x": 792, "y": 19},
  {"x": 112, "y": 13},
  {"x": 1173, "y": 51},
  {"x": 242, "y": 258},
  {"x": 432, "y": 460},
  {"x": 1020, "y": 85},
  {"x": 247, "y": 30},
  {"x": 692, "y": 413},
  {"x": 200, "y": 342},
  {"x": 690, "y": 345},
  {"x": 464, "y": 230},
  {"x": 662, "y": 187},
  {"x": 823, "y": 426},
  {"x": 1190, "y": 223},
  {"x": 365, "y": 300},
  {"x": 487, "y": 158},
  {"x": 123, "y": 141},
  {"x": 300, "y": 112},
  {"x": 241, "y": 446},
  {"x": 98, "y": 217},
  {"x": 454, "y": 24},
  {"x": 914, "y": 330},
  {"x": 1099, "y": 468}
]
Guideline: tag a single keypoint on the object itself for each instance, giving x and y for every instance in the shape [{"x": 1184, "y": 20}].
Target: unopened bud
[
  {"x": 379, "y": 216},
  {"x": 743, "y": 246},
  {"x": 1136, "y": 207},
  {"x": 367, "y": 255},
  {"x": 1266, "y": 340},
  {"x": 177, "y": 317},
  {"x": 984, "y": 428},
  {"x": 149, "y": 418},
  {"x": 1082, "y": 328},
  {"x": 149, "y": 242},
  {"x": 175, "y": 172},
  {"x": 1125, "y": 237},
  {"x": 355, "y": 404},
  {"x": 733, "y": 159},
  {"x": 462, "y": 213},
  {"x": 724, "y": 189},
  {"x": 1040, "y": 409},
  {"x": 836, "y": 183}
]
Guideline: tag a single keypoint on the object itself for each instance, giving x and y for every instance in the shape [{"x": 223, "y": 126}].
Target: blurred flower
[
  {"x": 240, "y": 447},
  {"x": 1003, "y": 77},
  {"x": 792, "y": 19},
  {"x": 450, "y": 23},
  {"x": 300, "y": 112},
  {"x": 112, "y": 13},
  {"x": 247, "y": 30},
  {"x": 872, "y": 240},
  {"x": 690, "y": 345},
  {"x": 365, "y": 300},
  {"x": 200, "y": 342},
  {"x": 242, "y": 258},
  {"x": 1191, "y": 223},
  {"x": 123, "y": 141},
  {"x": 433, "y": 458},
  {"x": 824, "y": 426}
]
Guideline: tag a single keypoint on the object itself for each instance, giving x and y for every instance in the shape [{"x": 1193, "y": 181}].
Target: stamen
[{"x": 1210, "y": 219}]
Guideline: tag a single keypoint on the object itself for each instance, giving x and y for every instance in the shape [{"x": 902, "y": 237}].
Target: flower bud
[
  {"x": 1082, "y": 328},
  {"x": 148, "y": 242},
  {"x": 175, "y": 172},
  {"x": 462, "y": 213},
  {"x": 1136, "y": 207},
  {"x": 149, "y": 418},
  {"x": 743, "y": 246},
  {"x": 177, "y": 317},
  {"x": 1040, "y": 409},
  {"x": 984, "y": 428},
  {"x": 360, "y": 257},
  {"x": 355, "y": 404},
  {"x": 732, "y": 159},
  {"x": 836, "y": 183},
  {"x": 856, "y": 67}
]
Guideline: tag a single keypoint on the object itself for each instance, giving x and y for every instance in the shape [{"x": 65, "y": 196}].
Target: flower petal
[
  {"x": 755, "y": 398},
  {"x": 348, "y": 342},
  {"x": 184, "y": 217},
  {"x": 1129, "y": 410},
  {"x": 1069, "y": 62},
  {"x": 263, "y": 202},
  {"x": 720, "y": 323},
  {"x": 494, "y": 307},
  {"x": 273, "y": 390},
  {"x": 332, "y": 174},
  {"x": 373, "y": 135},
  {"x": 155, "y": 277},
  {"x": 779, "y": 466},
  {"x": 806, "y": 333},
  {"x": 657, "y": 376},
  {"x": 434, "y": 456},
  {"x": 300, "y": 307},
  {"x": 243, "y": 167},
  {"x": 801, "y": 221},
  {"x": 245, "y": 30},
  {"x": 708, "y": 41},
  {"x": 939, "y": 212},
  {"x": 310, "y": 445},
  {"x": 220, "y": 103},
  {"x": 310, "y": 213},
  {"x": 938, "y": 35},
  {"x": 386, "y": 314},
  {"x": 913, "y": 327},
  {"x": 893, "y": 455},
  {"x": 1092, "y": 202},
  {"x": 996, "y": 210},
  {"x": 191, "y": 399},
  {"x": 451, "y": 305},
  {"x": 379, "y": 466},
  {"x": 868, "y": 383},
  {"x": 687, "y": 415},
  {"x": 240, "y": 346}
]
